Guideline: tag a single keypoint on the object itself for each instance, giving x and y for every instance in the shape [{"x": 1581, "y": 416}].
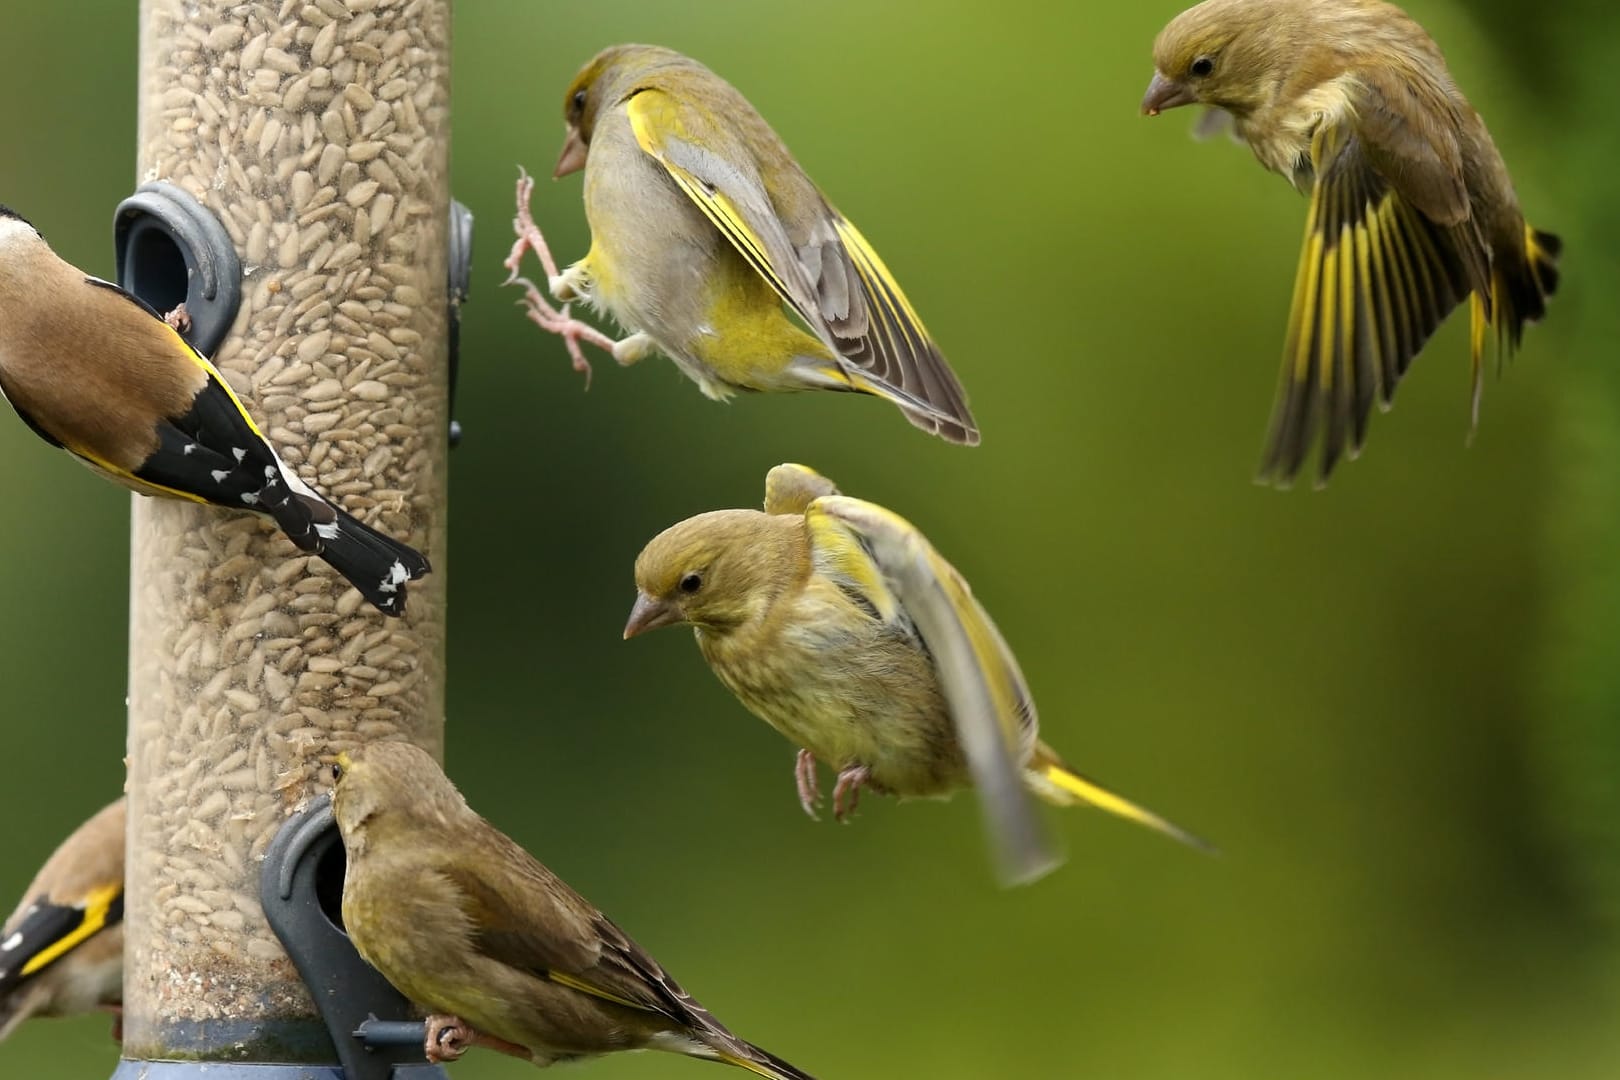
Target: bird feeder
[{"x": 314, "y": 137}]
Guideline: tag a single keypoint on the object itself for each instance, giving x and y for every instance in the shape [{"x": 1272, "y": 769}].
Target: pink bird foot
[
  {"x": 180, "y": 319},
  {"x": 538, "y": 309},
  {"x": 804, "y": 771},
  {"x": 847, "y": 792},
  {"x": 449, "y": 1037},
  {"x": 540, "y": 312}
]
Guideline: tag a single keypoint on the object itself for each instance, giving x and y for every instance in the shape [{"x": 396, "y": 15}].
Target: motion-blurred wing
[{"x": 989, "y": 701}]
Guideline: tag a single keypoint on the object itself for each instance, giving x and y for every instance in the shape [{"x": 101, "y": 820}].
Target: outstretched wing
[
  {"x": 830, "y": 276},
  {"x": 882, "y": 556},
  {"x": 1390, "y": 250}
]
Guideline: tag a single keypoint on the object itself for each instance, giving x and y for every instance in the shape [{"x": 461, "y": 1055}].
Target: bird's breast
[
  {"x": 849, "y": 689},
  {"x": 1281, "y": 135}
]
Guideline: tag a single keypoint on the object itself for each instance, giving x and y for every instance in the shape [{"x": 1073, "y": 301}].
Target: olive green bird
[
  {"x": 1412, "y": 210},
  {"x": 837, "y": 623},
  {"x": 505, "y": 955},
  {"x": 703, "y": 226}
]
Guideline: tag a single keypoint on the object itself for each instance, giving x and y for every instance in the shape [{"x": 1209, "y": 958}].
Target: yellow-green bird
[
  {"x": 703, "y": 226},
  {"x": 837, "y": 623},
  {"x": 464, "y": 922},
  {"x": 62, "y": 950},
  {"x": 1412, "y": 209}
]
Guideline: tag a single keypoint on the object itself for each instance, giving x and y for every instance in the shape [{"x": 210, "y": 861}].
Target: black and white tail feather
[{"x": 215, "y": 454}]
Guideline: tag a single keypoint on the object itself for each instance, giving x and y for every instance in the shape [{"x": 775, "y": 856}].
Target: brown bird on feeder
[
  {"x": 467, "y": 924},
  {"x": 93, "y": 370}
]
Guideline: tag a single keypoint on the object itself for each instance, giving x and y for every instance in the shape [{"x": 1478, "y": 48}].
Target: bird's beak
[
  {"x": 572, "y": 158},
  {"x": 649, "y": 614},
  {"x": 1163, "y": 93}
]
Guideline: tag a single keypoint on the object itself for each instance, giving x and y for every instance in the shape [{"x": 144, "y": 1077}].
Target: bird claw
[
  {"x": 804, "y": 772},
  {"x": 179, "y": 319},
  {"x": 447, "y": 1039},
  {"x": 538, "y": 309},
  {"x": 847, "y": 792}
]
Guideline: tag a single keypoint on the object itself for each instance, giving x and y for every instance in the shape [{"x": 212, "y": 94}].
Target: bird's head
[
  {"x": 716, "y": 571},
  {"x": 377, "y": 782},
  {"x": 1225, "y": 53},
  {"x": 608, "y": 77}
]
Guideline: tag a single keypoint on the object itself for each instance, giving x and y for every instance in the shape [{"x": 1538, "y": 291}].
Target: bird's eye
[
  {"x": 579, "y": 101},
  {"x": 691, "y": 583},
  {"x": 337, "y": 772},
  {"x": 1202, "y": 66}
]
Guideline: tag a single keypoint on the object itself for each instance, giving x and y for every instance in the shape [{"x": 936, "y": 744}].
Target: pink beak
[
  {"x": 649, "y": 614},
  {"x": 1163, "y": 93},
  {"x": 573, "y": 154}
]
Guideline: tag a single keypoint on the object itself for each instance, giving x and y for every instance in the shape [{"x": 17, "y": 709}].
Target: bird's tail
[
  {"x": 761, "y": 1063},
  {"x": 1060, "y": 785},
  {"x": 378, "y": 565},
  {"x": 1520, "y": 288}
]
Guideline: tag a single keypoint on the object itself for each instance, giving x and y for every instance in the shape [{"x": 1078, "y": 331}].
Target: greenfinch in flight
[
  {"x": 703, "y": 227},
  {"x": 1411, "y": 207},
  {"x": 837, "y": 623}
]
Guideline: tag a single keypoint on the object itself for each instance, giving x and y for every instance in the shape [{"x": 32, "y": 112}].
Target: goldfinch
[
  {"x": 93, "y": 370},
  {"x": 62, "y": 950}
]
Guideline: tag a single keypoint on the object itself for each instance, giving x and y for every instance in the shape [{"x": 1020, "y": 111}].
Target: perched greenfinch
[
  {"x": 467, "y": 924},
  {"x": 703, "y": 226},
  {"x": 94, "y": 371},
  {"x": 837, "y": 623},
  {"x": 62, "y": 950},
  {"x": 1411, "y": 210}
]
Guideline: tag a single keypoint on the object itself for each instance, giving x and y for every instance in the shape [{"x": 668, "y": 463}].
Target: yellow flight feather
[
  {"x": 752, "y": 1066},
  {"x": 97, "y": 905},
  {"x": 838, "y": 549},
  {"x": 1072, "y": 783},
  {"x": 562, "y": 979},
  {"x": 651, "y": 110},
  {"x": 872, "y": 269}
]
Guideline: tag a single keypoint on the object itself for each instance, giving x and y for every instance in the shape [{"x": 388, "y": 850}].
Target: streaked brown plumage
[
  {"x": 91, "y": 369},
  {"x": 62, "y": 950},
  {"x": 1412, "y": 209},
  {"x": 463, "y": 921}
]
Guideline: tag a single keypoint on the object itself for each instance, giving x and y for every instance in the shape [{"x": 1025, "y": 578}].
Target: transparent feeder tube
[{"x": 318, "y": 132}]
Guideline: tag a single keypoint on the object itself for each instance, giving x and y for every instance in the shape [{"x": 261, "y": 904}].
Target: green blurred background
[{"x": 1391, "y": 702}]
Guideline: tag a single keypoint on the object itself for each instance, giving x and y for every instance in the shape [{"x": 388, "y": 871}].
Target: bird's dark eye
[
  {"x": 337, "y": 772},
  {"x": 691, "y": 583},
  {"x": 579, "y": 101},
  {"x": 1202, "y": 66}
]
